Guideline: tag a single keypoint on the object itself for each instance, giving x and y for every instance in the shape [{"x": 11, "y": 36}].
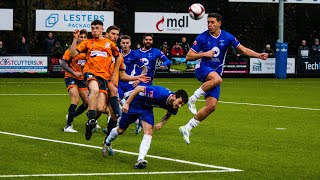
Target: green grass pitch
[{"x": 268, "y": 128}]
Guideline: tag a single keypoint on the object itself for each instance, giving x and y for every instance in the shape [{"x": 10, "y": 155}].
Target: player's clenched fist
[{"x": 76, "y": 33}]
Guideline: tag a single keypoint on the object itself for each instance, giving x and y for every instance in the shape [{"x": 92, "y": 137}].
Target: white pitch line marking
[
  {"x": 268, "y": 105},
  {"x": 114, "y": 174},
  {"x": 224, "y": 102},
  {"x": 125, "y": 152}
]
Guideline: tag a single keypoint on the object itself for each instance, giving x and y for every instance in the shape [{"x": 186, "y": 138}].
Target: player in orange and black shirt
[
  {"x": 100, "y": 52},
  {"x": 112, "y": 33},
  {"x": 75, "y": 82}
]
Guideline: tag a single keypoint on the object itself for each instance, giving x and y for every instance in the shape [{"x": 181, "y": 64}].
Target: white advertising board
[
  {"x": 68, "y": 20},
  {"x": 173, "y": 23},
  {"x": 6, "y": 19},
  {"x": 258, "y": 66},
  {"x": 23, "y": 64}
]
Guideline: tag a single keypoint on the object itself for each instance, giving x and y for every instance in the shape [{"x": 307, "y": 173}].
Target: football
[{"x": 196, "y": 11}]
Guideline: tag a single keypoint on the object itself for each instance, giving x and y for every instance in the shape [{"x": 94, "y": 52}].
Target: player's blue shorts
[
  {"x": 103, "y": 84},
  {"x": 71, "y": 82},
  {"x": 134, "y": 114},
  {"x": 201, "y": 74},
  {"x": 124, "y": 88}
]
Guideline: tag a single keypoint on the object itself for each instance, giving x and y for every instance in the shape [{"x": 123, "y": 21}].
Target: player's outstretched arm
[
  {"x": 73, "y": 49},
  {"x": 164, "y": 119},
  {"x": 125, "y": 77},
  {"x": 135, "y": 92},
  {"x": 252, "y": 53}
]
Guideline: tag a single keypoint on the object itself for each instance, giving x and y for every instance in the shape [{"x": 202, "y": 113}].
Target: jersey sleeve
[
  {"x": 197, "y": 44},
  {"x": 149, "y": 91},
  {"x": 66, "y": 56},
  {"x": 166, "y": 61},
  {"x": 82, "y": 47},
  {"x": 233, "y": 41}
]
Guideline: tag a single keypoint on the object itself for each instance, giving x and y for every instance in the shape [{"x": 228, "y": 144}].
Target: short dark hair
[
  {"x": 112, "y": 28},
  {"x": 147, "y": 34},
  {"x": 84, "y": 31},
  {"x": 183, "y": 94},
  {"x": 125, "y": 37},
  {"x": 215, "y": 15},
  {"x": 97, "y": 22}
]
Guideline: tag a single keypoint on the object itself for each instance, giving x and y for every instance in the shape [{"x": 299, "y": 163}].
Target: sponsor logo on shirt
[
  {"x": 98, "y": 53},
  {"x": 151, "y": 94},
  {"x": 194, "y": 43},
  {"x": 82, "y": 62}
]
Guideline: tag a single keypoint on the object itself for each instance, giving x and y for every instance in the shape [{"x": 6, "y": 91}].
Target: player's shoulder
[
  {"x": 204, "y": 33},
  {"x": 134, "y": 52},
  {"x": 226, "y": 33},
  {"x": 87, "y": 41},
  {"x": 156, "y": 50},
  {"x": 66, "y": 55},
  {"x": 203, "y": 36}
]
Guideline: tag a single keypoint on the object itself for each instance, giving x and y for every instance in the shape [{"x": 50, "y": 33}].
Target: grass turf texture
[{"x": 235, "y": 136}]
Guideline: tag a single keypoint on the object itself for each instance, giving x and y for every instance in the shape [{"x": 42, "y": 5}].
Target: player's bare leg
[
  {"x": 92, "y": 106},
  {"x": 213, "y": 79},
  {"x": 211, "y": 103},
  {"x": 84, "y": 106}
]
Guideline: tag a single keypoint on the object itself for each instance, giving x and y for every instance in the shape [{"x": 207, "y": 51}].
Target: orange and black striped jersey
[
  {"x": 100, "y": 53},
  {"x": 76, "y": 63}
]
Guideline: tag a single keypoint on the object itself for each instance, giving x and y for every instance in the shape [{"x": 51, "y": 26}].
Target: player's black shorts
[
  {"x": 71, "y": 82},
  {"x": 103, "y": 84}
]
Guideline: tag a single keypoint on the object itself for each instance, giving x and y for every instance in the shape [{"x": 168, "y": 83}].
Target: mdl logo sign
[{"x": 174, "y": 24}]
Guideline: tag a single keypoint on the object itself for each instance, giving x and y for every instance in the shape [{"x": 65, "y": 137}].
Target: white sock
[
  {"x": 191, "y": 124},
  {"x": 144, "y": 146},
  {"x": 197, "y": 94},
  {"x": 122, "y": 102},
  {"x": 112, "y": 136}
]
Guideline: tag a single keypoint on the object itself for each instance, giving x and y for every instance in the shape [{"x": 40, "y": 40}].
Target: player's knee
[
  {"x": 148, "y": 131},
  {"x": 211, "y": 107},
  {"x": 120, "y": 131},
  {"x": 217, "y": 80},
  {"x": 75, "y": 99},
  {"x": 94, "y": 92},
  {"x": 101, "y": 107},
  {"x": 113, "y": 89}
]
